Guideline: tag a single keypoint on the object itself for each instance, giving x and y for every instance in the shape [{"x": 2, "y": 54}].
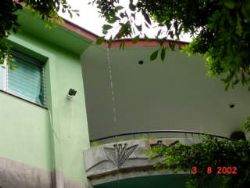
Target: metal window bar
[{"x": 104, "y": 139}]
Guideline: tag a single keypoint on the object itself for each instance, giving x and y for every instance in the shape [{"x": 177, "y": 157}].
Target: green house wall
[{"x": 51, "y": 139}]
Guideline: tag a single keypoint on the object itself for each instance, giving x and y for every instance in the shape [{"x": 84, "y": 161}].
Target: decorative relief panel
[
  {"x": 106, "y": 159},
  {"x": 119, "y": 153}
]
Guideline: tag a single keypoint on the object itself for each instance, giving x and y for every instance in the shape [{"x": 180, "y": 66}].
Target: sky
[{"x": 90, "y": 19}]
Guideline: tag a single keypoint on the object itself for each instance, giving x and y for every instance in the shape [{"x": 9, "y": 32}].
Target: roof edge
[
  {"x": 79, "y": 30},
  {"x": 145, "y": 43},
  {"x": 116, "y": 43}
]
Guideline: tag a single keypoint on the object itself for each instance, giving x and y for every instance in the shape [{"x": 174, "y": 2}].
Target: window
[{"x": 25, "y": 79}]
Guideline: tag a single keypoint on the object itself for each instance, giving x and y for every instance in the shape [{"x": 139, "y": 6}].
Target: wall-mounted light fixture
[{"x": 71, "y": 93}]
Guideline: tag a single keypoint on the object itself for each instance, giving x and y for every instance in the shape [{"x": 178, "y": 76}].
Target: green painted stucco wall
[
  {"x": 53, "y": 138},
  {"x": 24, "y": 134}
]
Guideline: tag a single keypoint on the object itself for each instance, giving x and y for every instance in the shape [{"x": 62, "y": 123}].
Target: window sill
[{"x": 24, "y": 99}]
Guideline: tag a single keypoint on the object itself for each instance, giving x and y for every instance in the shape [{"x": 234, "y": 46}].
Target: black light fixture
[{"x": 71, "y": 93}]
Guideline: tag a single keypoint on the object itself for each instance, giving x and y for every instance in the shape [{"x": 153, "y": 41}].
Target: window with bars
[{"x": 24, "y": 79}]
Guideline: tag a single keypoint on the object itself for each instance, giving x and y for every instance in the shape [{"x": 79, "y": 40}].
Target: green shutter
[{"x": 26, "y": 79}]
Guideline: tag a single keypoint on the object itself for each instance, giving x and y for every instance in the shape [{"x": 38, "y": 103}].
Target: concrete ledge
[{"x": 106, "y": 162}]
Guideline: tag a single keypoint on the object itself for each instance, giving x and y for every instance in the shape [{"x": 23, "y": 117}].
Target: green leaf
[
  {"x": 154, "y": 55},
  {"x": 99, "y": 40},
  {"x": 163, "y": 53},
  {"x": 171, "y": 45},
  {"x": 139, "y": 27},
  {"x": 122, "y": 45},
  {"x": 110, "y": 42},
  {"x": 227, "y": 85},
  {"x": 236, "y": 81},
  {"x": 114, "y": 19},
  {"x": 136, "y": 39},
  {"x": 122, "y": 15},
  {"x": 158, "y": 33},
  {"x": 125, "y": 30},
  {"x": 239, "y": 26},
  {"x": 132, "y": 7},
  {"x": 146, "y": 17},
  {"x": 133, "y": 15},
  {"x": 119, "y": 8},
  {"x": 106, "y": 27},
  {"x": 146, "y": 38},
  {"x": 229, "y": 4}
]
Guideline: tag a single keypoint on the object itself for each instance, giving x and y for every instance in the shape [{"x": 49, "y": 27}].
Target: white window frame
[{"x": 4, "y": 74}]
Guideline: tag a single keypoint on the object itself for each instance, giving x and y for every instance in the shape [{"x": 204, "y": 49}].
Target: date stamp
[{"x": 219, "y": 170}]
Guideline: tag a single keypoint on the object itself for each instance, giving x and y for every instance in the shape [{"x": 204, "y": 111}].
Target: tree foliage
[
  {"x": 213, "y": 161},
  {"x": 220, "y": 30},
  {"x": 46, "y": 9},
  {"x": 225, "y": 162}
]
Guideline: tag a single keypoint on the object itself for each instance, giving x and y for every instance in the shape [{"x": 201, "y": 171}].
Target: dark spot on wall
[
  {"x": 231, "y": 105},
  {"x": 140, "y": 62}
]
